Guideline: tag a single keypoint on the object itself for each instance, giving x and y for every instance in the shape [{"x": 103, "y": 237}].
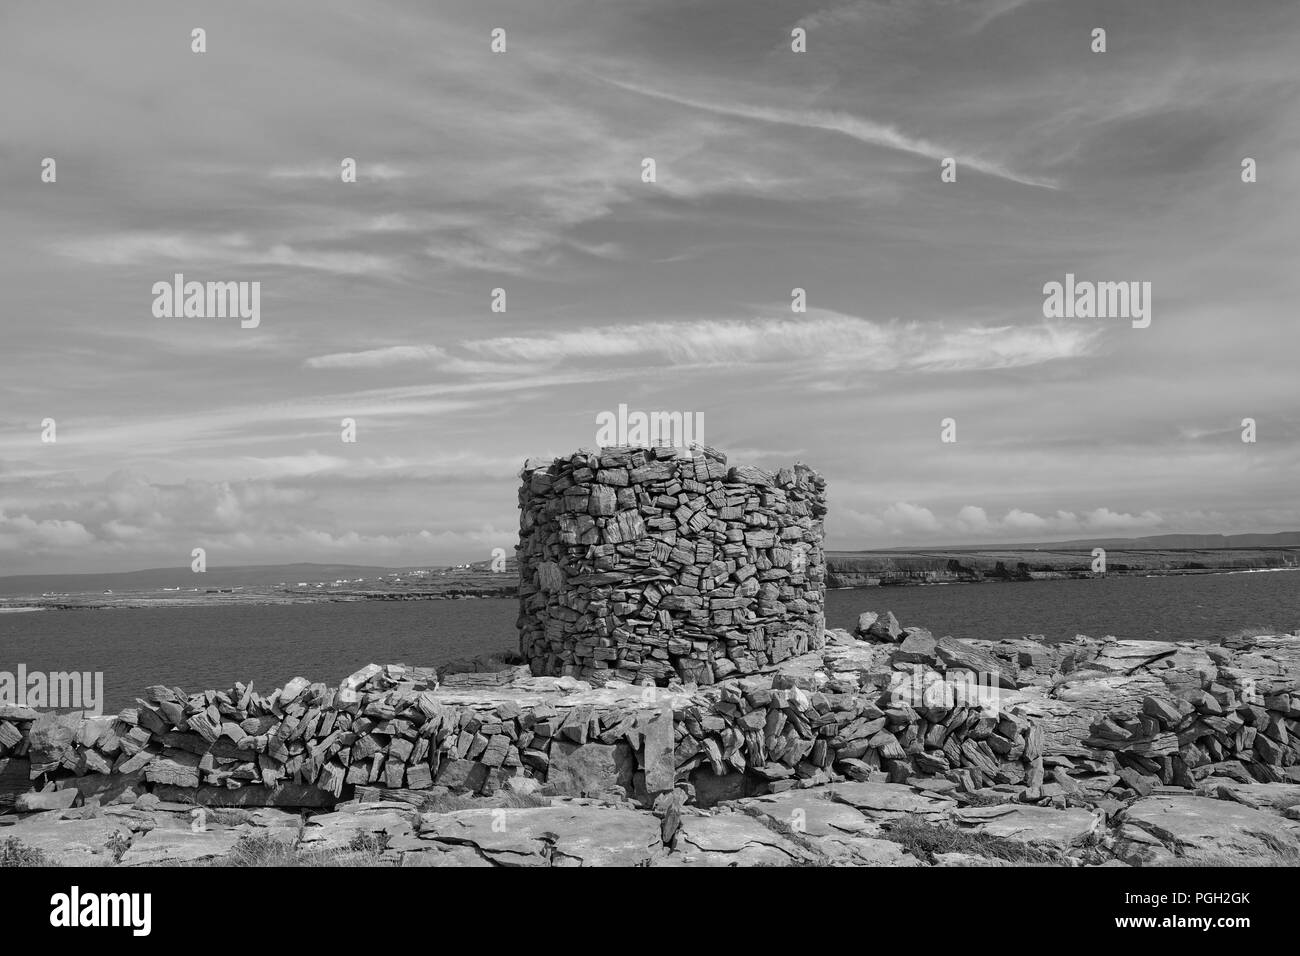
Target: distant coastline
[
  {"x": 420, "y": 584},
  {"x": 845, "y": 571}
]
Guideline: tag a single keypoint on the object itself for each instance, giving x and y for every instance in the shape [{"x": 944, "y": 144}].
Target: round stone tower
[{"x": 665, "y": 564}]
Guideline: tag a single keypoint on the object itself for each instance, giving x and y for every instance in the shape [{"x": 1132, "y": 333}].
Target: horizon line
[{"x": 986, "y": 546}]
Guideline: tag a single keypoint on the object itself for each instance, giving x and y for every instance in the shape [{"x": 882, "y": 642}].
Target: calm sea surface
[{"x": 212, "y": 647}]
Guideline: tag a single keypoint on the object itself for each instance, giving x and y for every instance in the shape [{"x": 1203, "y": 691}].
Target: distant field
[
  {"x": 845, "y": 569},
  {"x": 416, "y": 584},
  {"x": 868, "y": 568}
]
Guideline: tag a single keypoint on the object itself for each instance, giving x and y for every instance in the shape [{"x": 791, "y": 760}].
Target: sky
[{"x": 522, "y": 170}]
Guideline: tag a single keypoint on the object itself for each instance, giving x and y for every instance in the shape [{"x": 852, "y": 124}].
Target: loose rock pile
[
  {"x": 657, "y": 564},
  {"x": 864, "y": 726},
  {"x": 1212, "y": 732},
  {"x": 1145, "y": 714}
]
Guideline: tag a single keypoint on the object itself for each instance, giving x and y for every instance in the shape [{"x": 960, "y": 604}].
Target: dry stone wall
[
  {"x": 1220, "y": 730},
  {"x": 307, "y": 743},
  {"x": 395, "y": 728},
  {"x": 902, "y": 706},
  {"x": 663, "y": 564}
]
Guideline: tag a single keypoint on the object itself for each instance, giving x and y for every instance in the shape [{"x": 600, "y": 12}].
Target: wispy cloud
[
  {"x": 378, "y": 358},
  {"x": 827, "y": 337},
  {"x": 522, "y": 171},
  {"x": 992, "y": 10},
  {"x": 332, "y": 172},
  {"x": 859, "y": 128},
  {"x": 151, "y": 248}
]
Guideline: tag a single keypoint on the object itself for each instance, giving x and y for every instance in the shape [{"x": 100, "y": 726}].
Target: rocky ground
[
  {"x": 1087, "y": 753},
  {"x": 841, "y": 824}
]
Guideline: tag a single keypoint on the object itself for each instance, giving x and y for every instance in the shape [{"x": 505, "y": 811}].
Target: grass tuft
[
  {"x": 816, "y": 856},
  {"x": 14, "y": 854},
  {"x": 923, "y": 840},
  {"x": 260, "y": 850},
  {"x": 374, "y": 843},
  {"x": 117, "y": 845},
  {"x": 981, "y": 800},
  {"x": 229, "y": 816},
  {"x": 1275, "y": 853},
  {"x": 451, "y": 802}
]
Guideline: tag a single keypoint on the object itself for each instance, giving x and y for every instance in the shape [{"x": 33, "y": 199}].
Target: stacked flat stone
[
  {"x": 379, "y": 727},
  {"x": 1210, "y": 732},
  {"x": 786, "y": 735},
  {"x": 306, "y": 743},
  {"x": 1166, "y": 714},
  {"x": 664, "y": 564},
  {"x": 395, "y": 727},
  {"x": 934, "y": 713}
]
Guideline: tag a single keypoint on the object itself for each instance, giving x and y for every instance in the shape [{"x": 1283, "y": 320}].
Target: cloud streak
[
  {"x": 827, "y": 338},
  {"x": 859, "y": 128},
  {"x": 522, "y": 171}
]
